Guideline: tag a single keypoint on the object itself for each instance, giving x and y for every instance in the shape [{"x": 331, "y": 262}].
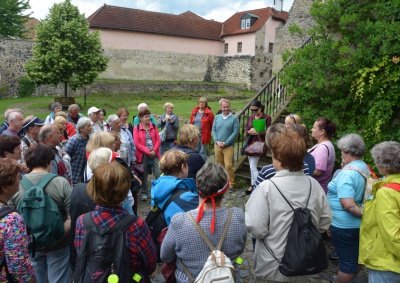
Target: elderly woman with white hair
[
  {"x": 55, "y": 107},
  {"x": 380, "y": 229},
  {"x": 169, "y": 124},
  {"x": 136, "y": 120},
  {"x": 76, "y": 148},
  {"x": 127, "y": 149},
  {"x": 345, "y": 196}
]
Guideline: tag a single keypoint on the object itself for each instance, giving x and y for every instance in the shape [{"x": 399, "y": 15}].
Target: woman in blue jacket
[{"x": 174, "y": 165}]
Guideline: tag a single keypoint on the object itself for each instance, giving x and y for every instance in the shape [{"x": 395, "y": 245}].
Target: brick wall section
[{"x": 299, "y": 14}]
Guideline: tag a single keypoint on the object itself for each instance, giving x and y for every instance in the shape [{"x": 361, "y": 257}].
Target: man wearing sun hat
[
  {"x": 93, "y": 114},
  {"x": 31, "y": 128}
]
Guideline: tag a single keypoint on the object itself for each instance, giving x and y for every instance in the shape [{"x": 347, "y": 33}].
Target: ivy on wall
[{"x": 350, "y": 71}]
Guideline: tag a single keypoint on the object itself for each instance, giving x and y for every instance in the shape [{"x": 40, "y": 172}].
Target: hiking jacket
[
  {"x": 171, "y": 131},
  {"x": 380, "y": 229},
  {"x": 206, "y": 123},
  {"x": 140, "y": 141},
  {"x": 164, "y": 187}
]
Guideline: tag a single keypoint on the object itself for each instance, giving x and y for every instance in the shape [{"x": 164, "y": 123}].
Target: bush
[{"x": 26, "y": 87}]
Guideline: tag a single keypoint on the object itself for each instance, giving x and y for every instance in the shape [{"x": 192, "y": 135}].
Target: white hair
[
  {"x": 141, "y": 106},
  {"x": 112, "y": 118},
  {"x": 82, "y": 122}
]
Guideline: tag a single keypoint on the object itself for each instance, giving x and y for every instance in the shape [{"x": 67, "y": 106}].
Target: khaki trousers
[{"x": 224, "y": 156}]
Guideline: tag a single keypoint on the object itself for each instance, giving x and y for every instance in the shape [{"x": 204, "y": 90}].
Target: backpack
[
  {"x": 40, "y": 214},
  {"x": 104, "y": 253},
  {"x": 370, "y": 180},
  {"x": 218, "y": 266},
  {"x": 5, "y": 210},
  {"x": 156, "y": 221},
  {"x": 305, "y": 252}
]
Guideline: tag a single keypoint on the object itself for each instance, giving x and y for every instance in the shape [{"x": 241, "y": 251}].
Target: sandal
[{"x": 249, "y": 190}]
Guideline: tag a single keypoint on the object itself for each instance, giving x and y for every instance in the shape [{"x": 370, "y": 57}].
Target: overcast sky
[{"x": 219, "y": 10}]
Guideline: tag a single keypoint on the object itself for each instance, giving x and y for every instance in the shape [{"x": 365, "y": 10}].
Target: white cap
[{"x": 93, "y": 110}]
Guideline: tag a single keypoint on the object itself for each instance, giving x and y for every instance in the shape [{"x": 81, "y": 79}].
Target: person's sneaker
[
  {"x": 143, "y": 197},
  {"x": 333, "y": 255}
]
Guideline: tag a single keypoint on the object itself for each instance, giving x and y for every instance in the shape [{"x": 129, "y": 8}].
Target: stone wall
[
  {"x": 13, "y": 55},
  {"x": 134, "y": 87},
  {"x": 299, "y": 14},
  {"x": 262, "y": 62}
]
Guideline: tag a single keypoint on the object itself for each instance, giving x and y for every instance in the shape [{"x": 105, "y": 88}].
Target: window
[
  {"x": 239, "y": 47},
  {"x": 270, "y": 48},
  {"x": 243, "y": 25},
  {"x": 226, "y": 48},
  {"x": 248, "y": 23}
]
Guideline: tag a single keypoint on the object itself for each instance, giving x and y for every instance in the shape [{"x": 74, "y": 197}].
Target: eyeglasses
[
  {"x": 292, "y": 116},
  {"x": 254, "y": 110}
]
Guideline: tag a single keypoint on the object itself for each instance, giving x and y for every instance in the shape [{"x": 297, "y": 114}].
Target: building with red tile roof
[{"x": 176, "y": 40}]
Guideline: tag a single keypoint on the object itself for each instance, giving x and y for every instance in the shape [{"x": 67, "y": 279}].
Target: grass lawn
[{"x": 184, "y": 102}]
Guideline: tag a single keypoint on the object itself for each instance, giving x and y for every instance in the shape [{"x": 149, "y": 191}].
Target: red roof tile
[
  {"x": 232, "y": 25},
  {"x": 186, "y": 24}
]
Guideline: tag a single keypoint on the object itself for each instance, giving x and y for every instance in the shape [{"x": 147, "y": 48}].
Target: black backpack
[
  {"x": 156, "y": 221},
  {"x": 305, "y": 252},
  {"x": 104, "y": 252},
  {"x": 5, "y": 210}
]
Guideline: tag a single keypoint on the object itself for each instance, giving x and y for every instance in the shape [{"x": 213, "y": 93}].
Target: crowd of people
[{"x": 97, "y": 167}]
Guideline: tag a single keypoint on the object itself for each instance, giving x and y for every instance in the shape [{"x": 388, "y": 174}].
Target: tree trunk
[{"x": 65, "y": 89}]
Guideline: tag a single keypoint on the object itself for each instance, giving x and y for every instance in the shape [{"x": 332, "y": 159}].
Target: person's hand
[
  {"x": 137, "y": 178},
  {"x": 24, "y": 168},
  {"x": 152, "y": 154},
  {"x": 252, "y": 131}
]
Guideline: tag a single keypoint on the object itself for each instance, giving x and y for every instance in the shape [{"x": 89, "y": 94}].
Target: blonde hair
[
  {"x": 171, "y": 162},
  {"x": 222, "y": 101},
  {"x": 202, "y": 99},
  {"x": 168, "y": 104},
  {"x": 58, "y": 121},
  {"x": 60, "y": 114},
  {"x": 99, "y": 139},
  {"x": 187, "y": 134},
  {"x": 109, "y": 184},
  {"x": 293, "y": 119},
  {"x": 99, "y": 156}
]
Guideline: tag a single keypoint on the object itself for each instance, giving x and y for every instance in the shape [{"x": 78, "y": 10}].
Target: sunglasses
[
  {"x": 292, "y": 116},
  {"x": 254, "y": 110}
]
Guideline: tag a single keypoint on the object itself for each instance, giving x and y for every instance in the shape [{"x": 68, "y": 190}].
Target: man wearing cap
[
  {"x": 31, "y": 128},
  {"x": 73, "y": 115},
  {"x": 93, "y": 114}
]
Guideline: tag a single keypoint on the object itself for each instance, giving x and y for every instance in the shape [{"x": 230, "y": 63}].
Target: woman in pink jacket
[{"x": 147, "y": 141}]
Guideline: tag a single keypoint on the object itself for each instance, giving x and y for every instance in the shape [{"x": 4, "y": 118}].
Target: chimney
[{"x": 278, "y": 5}]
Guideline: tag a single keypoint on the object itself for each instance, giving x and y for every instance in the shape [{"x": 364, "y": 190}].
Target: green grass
[{"x": 184, "y": 102}]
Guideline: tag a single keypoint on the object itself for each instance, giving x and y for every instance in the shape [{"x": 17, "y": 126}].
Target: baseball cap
[
  {"x": 35, "y": 121},
  {"x": 93, "y": 110}
]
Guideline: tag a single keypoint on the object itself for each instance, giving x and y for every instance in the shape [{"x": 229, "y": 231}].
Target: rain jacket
[
  {"x": 380, "y": 228},
  {"x": 162, "y": 190}
]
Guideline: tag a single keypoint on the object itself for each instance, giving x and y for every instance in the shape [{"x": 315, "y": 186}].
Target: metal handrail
[{"x": 273, "y": 96}]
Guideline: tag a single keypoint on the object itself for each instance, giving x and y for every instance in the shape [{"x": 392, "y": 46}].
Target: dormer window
[{"x": 247, "y": 20}]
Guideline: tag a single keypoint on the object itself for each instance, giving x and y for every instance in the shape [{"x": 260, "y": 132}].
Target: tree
[
  {"x": 65, "y": 51},
  {"x": 12, "y": 18},
  {"x": 350, "y": 71}
]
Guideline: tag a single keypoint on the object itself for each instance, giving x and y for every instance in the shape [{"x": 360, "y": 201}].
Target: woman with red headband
[{"x": 183, "y": 242}]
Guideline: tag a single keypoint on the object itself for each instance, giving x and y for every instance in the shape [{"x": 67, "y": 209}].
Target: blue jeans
[
  {"x": 202, "y": 150},
  {"x": 55, "y": 264},
  {"x": 346, "y": 242},
  {"x": 378, "y": 276}
]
